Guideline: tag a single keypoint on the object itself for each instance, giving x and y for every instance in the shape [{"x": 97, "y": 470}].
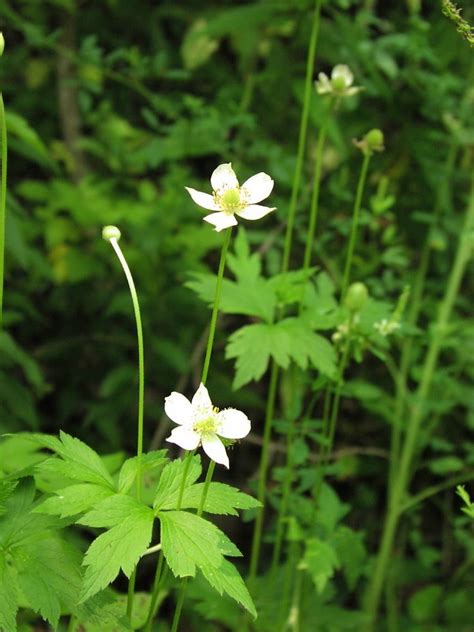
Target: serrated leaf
[
  {"x": 149, "y": 461},
  {"x": 252, "y": 346},
  {"x": 189, "y": 541},
  {"x": 73, "y": 500},
  {"x": 8, "y": 597},
  {"x": 49, "y": 576},
  {"x": 6, "y": 489},
  {"x": 172, "y": 476},
  {"x": 351, "y": 554},
  {"x": 119, "y": 548},
  {"x": 103, "y": 612},
  {"x": 308, "y": 347},
  {"x": 320, "y": 559},
  {"x": 220, "y": 499},
  {"x": 77, "y": 460},
  {"x": 111, "y": 511},
  {"x": 227, "y": 579}
]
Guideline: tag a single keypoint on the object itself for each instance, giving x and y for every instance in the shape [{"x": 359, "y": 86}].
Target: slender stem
[
  {"x": 308, "y": 89},
  {"x": 263, "y": 471},
  {"x": 355, "y": 222},
  {"x": 71, "y": 624},
  {"x": 3, "y": 199},
  {"x": 435, "y": 489},
  {"x": 155, "y": 592},
  {"x": 205, "y": 489},
  {"x": 417, "y": 414},
  {"x": 313, "y": 214},
  {"x": 215, "y": 308},
  {"x": 141, "y": 393}
]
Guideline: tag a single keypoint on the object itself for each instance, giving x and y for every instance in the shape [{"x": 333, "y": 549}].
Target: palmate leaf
[
  {"x": 321, "y": 561},
  {"x": 73, "y": 499},
  {"x": 119, "y": 548},
  {"x": 220, "y": 499},
  {"x": 190, "y": 542},
  {"x": 149, "y": 461},
  {"x": 111, "y": 511}
]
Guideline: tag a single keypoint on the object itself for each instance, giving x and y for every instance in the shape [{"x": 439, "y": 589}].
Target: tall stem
[
  {"x": 355, "y": 223},
  {"x": 263, "y": 471},
  {"x": 308, "y": 88},
  {"x": 417, "y": 413},
  {"x": 3, "y": 199},
  {"x": 141, "y": 393},
  {"x": 215, "y": 308}
]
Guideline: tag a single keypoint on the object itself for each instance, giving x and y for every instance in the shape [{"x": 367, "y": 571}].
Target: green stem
[
  {"x": 355, "y": 223},
  {"x": 400, "y": 485},
  {"x": 141, "y": 393},
  {"x": 313, "y": 214},
  {"x": 308, "y": 89},
  {"x": 3, "y": 199},
  {"x": 435, "y": 489},
  {"x": 215, "y": 308},
  {"x": 263, "y": 472}
]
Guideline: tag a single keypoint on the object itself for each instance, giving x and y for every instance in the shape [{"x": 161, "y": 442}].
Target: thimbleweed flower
[
  {"x": 386, "y": 327},
  {"x": 340, "y": 84},
  {"x": 372, "y": 141},
  {"x": 230, "y": 199},
  {"x": 200, "y": 423}
]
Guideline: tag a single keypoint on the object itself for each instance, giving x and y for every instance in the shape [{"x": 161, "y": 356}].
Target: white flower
[
  {"x": 340, "y": 84},
  {"x": 201, "y": 423},
  {"x": 230, "y": 199}
]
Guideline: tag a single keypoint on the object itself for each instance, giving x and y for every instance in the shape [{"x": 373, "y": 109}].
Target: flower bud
[
  {"x": 356, "y": 297},
  {"x": 2, "y": 44},
  {"x": 111, "y": 232},
  {"x": 374, "y": 140}
]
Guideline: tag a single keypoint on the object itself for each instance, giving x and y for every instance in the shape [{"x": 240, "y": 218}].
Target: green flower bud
[
  {"x": 2, "y": 44},
  {"x": 111, "y": 232},
  {"x": 374, "y": 140},
  {"x": 356, "y": 297}
]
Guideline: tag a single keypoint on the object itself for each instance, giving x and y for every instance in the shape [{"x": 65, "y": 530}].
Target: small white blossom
[
  {"x": 199, "y": 423},
  {"x": 340, "y": 84},
  {"x": 386, "y": 327},
  {"x": 230, "y": 199}
]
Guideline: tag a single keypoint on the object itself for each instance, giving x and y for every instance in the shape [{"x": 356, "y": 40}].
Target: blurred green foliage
[{"x": 112, "y": 108}]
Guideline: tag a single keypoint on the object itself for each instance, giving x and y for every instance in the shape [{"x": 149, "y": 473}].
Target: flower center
[
  {"x": 207, "y": 424},
  {"x": 231, "y": 200},
  {"x": 339, "y": 84}
]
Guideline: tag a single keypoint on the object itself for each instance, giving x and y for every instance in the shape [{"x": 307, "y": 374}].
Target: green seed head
[
  {"x": 374, "y": 140},
  {"x": 111, "y": 232},
  {"x": 338, "y": 84},
  {"x": 231, "y": 199},
  {"x": 356, "y": 297}
]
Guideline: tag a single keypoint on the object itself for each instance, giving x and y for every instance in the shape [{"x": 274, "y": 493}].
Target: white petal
[
  {"x": 257, "y": 188},
  {"x": 184, "y": 437},
  {"x": 203, "y": 199},
  {"x": 223, "y": 178},
  {"x": 341, "y": 70},
  {"x": 221, "y": 220},
  {"x": 201, "y": 400},
  {"x": 323, "y": 85},
  {"x": 233, "y": 424},
  {"x": 254, "y": 211},
  {"x": 214, "y": 448},
  {"x": 179, "y": 409}
]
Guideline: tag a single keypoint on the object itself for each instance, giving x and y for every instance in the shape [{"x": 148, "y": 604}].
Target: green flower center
[
  {"x": 231, "y": 199},
  {"x": 207, "y": 425},
  {"x": 338, "y": 84}
]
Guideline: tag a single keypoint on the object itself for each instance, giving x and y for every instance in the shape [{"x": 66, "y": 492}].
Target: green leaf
[
  {"x": 308, "y": 347},
  {"x": 220, "y": 499},
  {"x": 7, "y": 488},
  {"x": 49, "y": 576},
  {"x": 103, "y": 612},
  {"x": 8, "y": 596},
  {"x": 172, "y": 476},
  {"x": 351, "y": 554},
  {"x": 150, "y": 461},
  {"x": 73, "y": 500},
  {"x": 188, "y": 541},
  {"x": 119, "y": 548},
  {"x": 252, "y": 346},
  {"x": 111, "y": 511},
  {"x": 227, "y": 579},
  {"x": 446, "y": 464},
  {"x": 320, "y": 559},
  {"x": 78, "y": 461},
  {"x": 424, "y": 605}
]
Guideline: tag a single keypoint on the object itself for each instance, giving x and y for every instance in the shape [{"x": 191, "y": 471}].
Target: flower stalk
[{"x": 3, "y": 198}]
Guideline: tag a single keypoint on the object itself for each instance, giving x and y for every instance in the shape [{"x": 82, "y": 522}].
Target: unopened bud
[
  {"x": 356, "y": 297},
  {"x": 111, "y": 232},
  {"x": 374, "y": 140},
  {"x": 2, "y": 44}
]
